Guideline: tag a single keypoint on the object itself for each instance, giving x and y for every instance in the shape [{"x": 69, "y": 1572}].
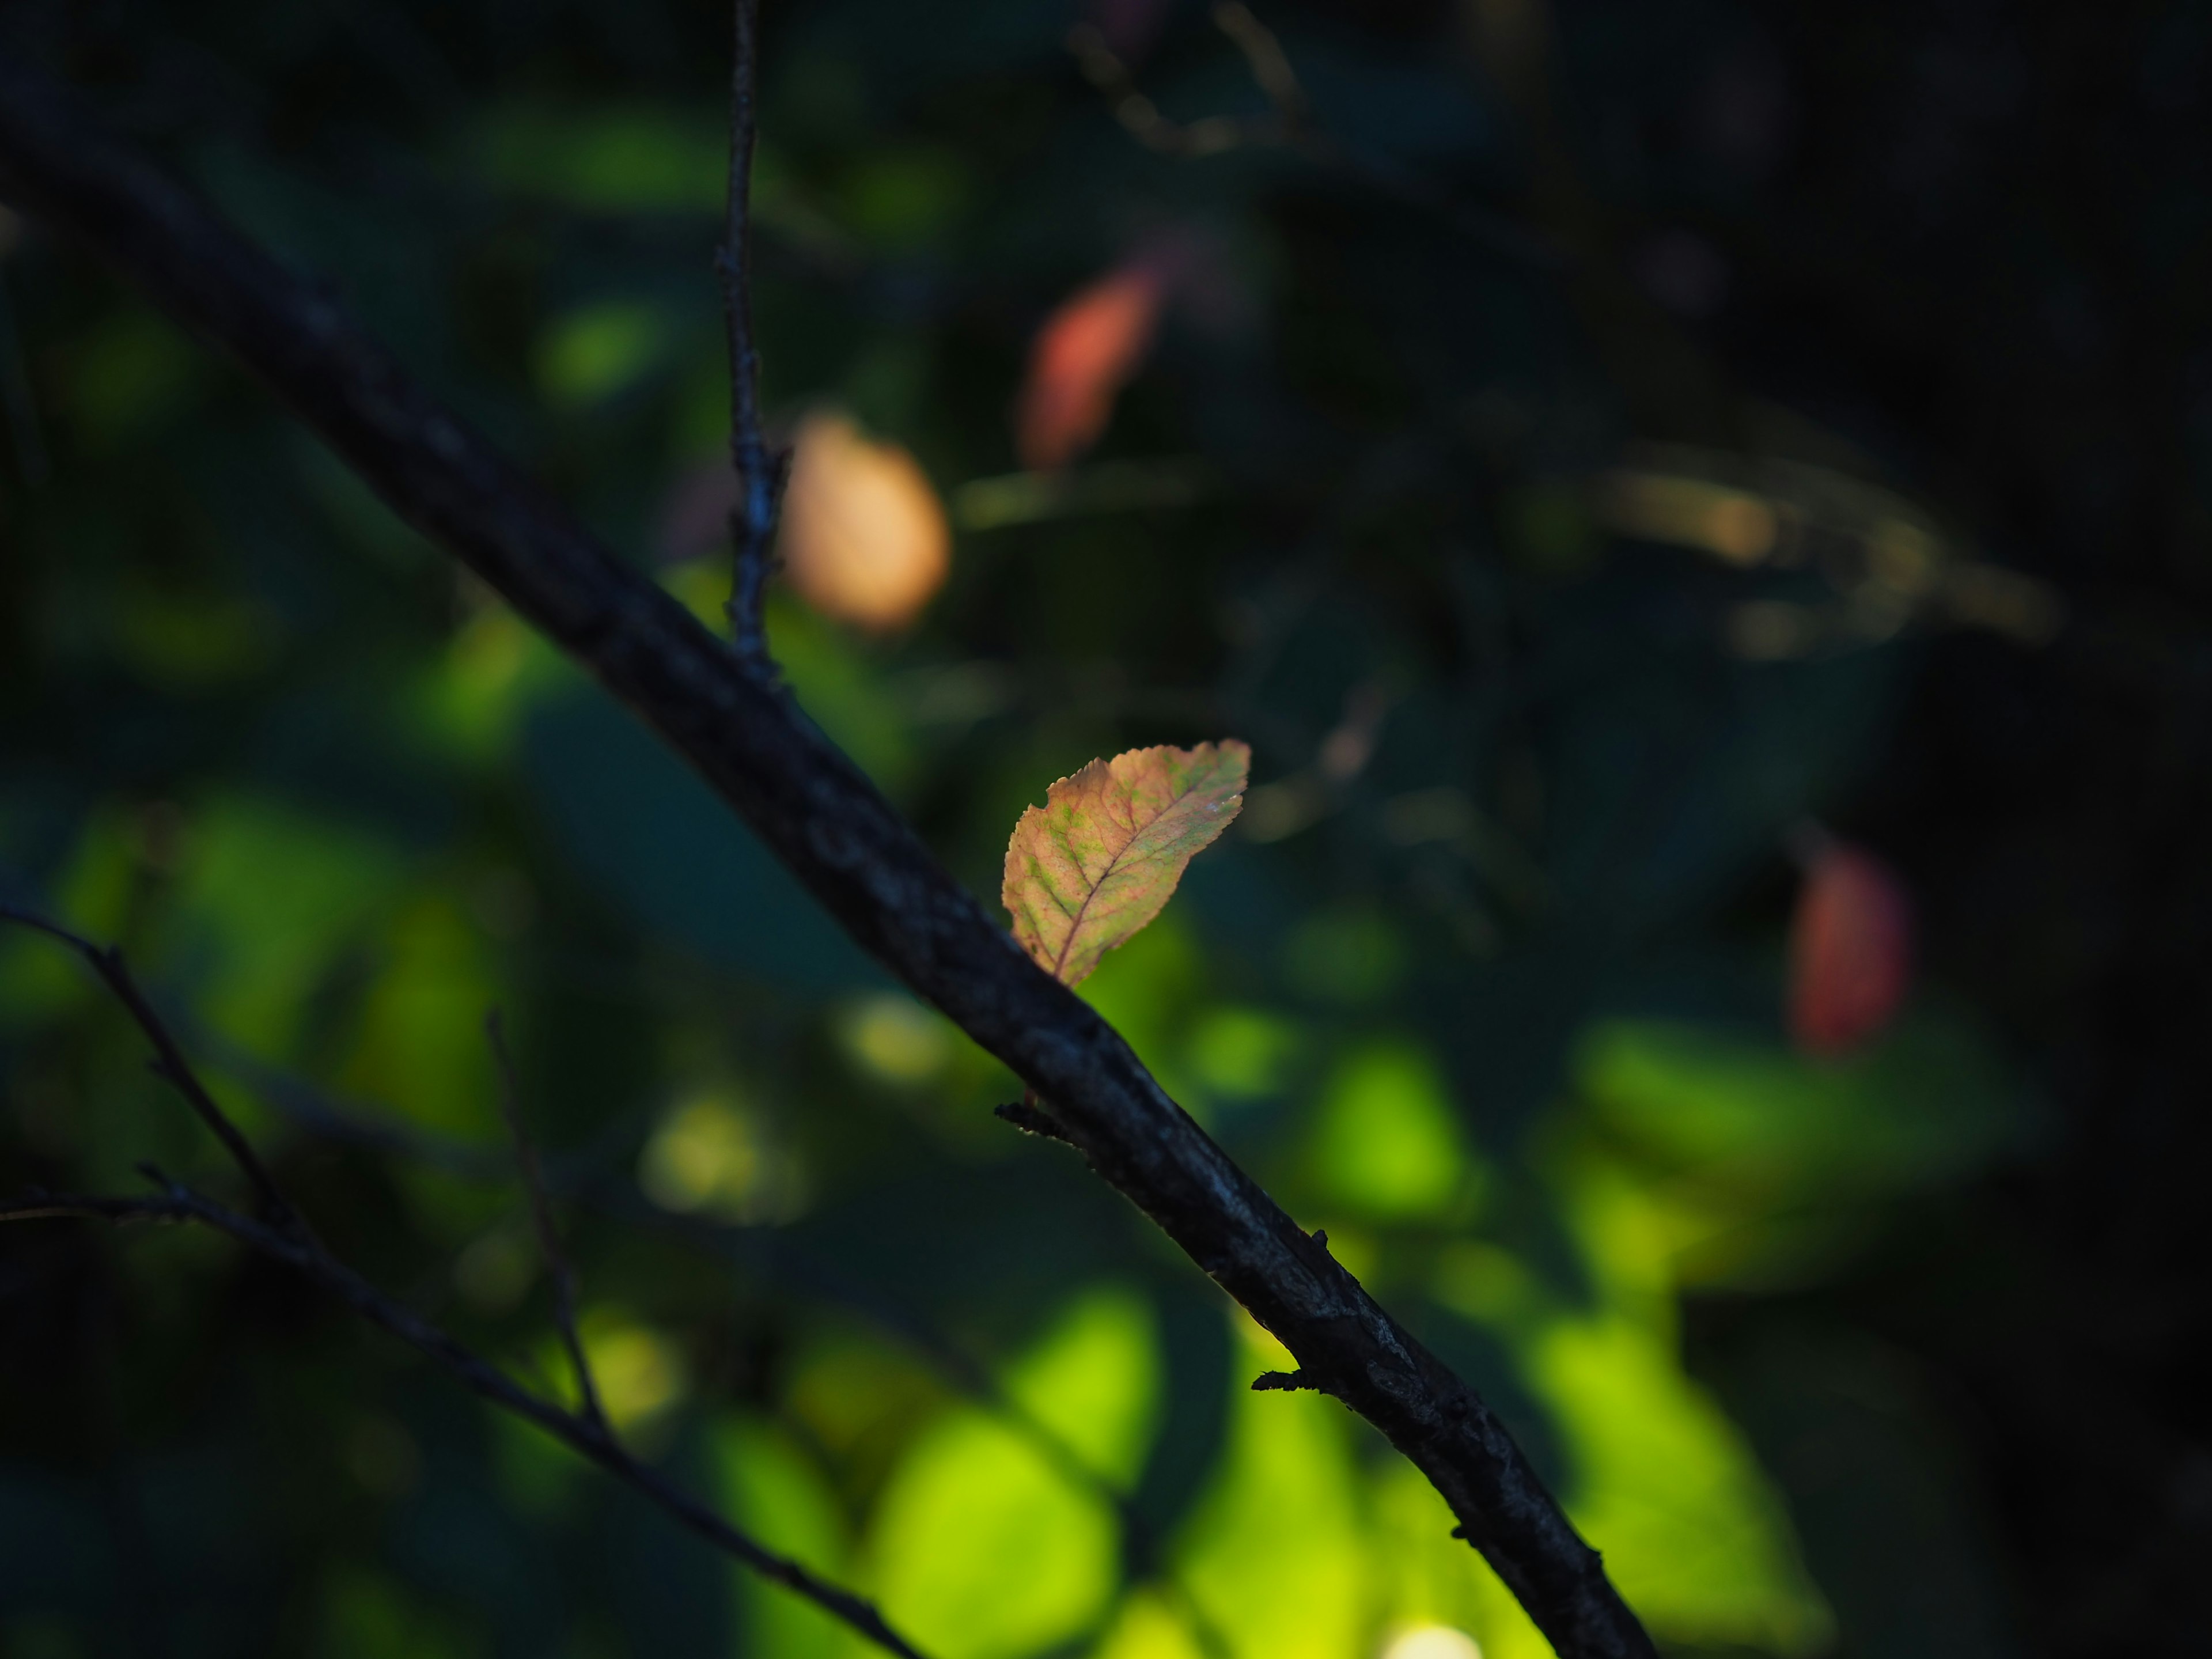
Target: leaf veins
[{"x": 1100, "y": 859}]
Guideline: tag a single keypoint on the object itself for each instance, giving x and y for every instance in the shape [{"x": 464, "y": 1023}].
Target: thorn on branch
[{"x": 1025, "y": 1116}]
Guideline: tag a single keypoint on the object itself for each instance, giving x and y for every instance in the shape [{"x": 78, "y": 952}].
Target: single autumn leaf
[
  {"x": 1099, "y": 859},
  {"x": 1850, "y": 950}
]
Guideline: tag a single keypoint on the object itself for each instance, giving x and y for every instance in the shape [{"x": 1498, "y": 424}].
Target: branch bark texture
[{"x": 826, "y": 821}]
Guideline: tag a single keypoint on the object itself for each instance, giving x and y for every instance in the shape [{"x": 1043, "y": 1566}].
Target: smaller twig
[
  {"x": 1281, "y": 1382},
  {"x": 180, "y": 1203},
  {"x": 1270, "y": 64},
  {"x": 557, "y": 1266},
  {"x": 286, "y": 1237},
  {"x": 1028, "y": 1116},
  {"x": 169, "y": 1063},
  {"x": 762, "y": 467},
  {"x": 1289, "y": 124}
]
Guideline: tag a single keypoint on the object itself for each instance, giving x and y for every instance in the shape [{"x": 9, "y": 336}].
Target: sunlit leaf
[
  {"x": 1850, "y": 950},
  {"x": 984, "y": 1549},
  {"x": 1435, "y": 1591},
  {"x": 1693, "y": 1534},
  {"x": 1148, "y": 1626},
  {"x": 1387, "y": 1141},
  {"x": 864, "y": 536},
  {"x": 1083, "y": 355},
  {"x": 1100, "y": 858},
  {"x": 1094, "y": 1382},
  {"x": 779, "y": 1495},
  {"x": 1276, "y": 1555}
]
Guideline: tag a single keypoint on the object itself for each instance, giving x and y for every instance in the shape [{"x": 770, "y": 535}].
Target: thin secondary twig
[
  {"x": 761, "y": 466},
  {"x": 763, "y": 1250},
  {"x": 1289, "y": 124},
  {"x": 287, "y": 1239},
  {"x": 825, "y": 820},
  {"x": 557, "y": 1266},
  {"x": 169, "y": 1063}
]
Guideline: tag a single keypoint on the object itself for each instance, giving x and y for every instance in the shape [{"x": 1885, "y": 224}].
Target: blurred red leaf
[
  {"x": 1081, "y": 358},
  {"x": 1850, "y": 950}
]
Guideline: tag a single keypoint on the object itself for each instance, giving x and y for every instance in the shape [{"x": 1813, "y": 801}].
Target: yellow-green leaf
[{"x": 1102, "y": 856}]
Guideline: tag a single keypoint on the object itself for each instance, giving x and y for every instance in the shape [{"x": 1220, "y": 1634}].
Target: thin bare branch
[
  {"x": 1289, "y": 124},
  {"x": 557, "y": 1266},
  {"x": 169, "y": 1063},
  {"x": 761, "y": 466},
  {"x": 767, "y": 1249},
  {"x": 286, "y": 1238}
]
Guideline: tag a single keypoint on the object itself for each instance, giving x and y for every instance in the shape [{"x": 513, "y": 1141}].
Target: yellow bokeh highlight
[
  {"x": 895, "y": 1038},
  {"x": 1387, "y": 1142},
  {"x": 1276, "y": 1554},
  {"x": 713, "y": 1155},
  {"x": 984, "y": 1549},
  {"x": 1094, "y": 1383},
  {"x": 641, "y": 1374}
]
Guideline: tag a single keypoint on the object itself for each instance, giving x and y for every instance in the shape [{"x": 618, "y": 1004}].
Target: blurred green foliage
[{"x": 1491, "y": 992}]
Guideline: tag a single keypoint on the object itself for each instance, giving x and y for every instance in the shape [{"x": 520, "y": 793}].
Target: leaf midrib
[{"x": 1075, "y": 922}]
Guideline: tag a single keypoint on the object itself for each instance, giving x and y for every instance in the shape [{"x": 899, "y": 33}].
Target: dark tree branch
[
  {"x": 289, "y": 1241},
  {"x": 557, "y": 1267},
  {"x": 825, "y": 820},
  {"x": 761, "y": 466}
]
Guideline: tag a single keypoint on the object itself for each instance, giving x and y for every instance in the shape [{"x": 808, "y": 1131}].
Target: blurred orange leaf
[
  {"x": 1850, "y": 950},
  {"x": 864, "y": 536},
  {"x": 1082, "y": 357},
  {"x": 1100, "y": 858}
]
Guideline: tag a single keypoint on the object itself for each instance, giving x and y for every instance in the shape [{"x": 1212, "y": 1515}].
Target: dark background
[{"x": 1957, "y": 255}]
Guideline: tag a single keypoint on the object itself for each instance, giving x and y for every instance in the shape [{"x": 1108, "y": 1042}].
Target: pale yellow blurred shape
[
  {"x": 896, "y": 1038},
  {"x": 418, "y": 1040},
  {"x": 1094, "y": 1381},
  {"x": 713, "y": 1155},
  {"x": 1486, "y": 1283},
  {"x": 1277, "y": 1554},
  {"x": 1728, "y": 523},
  {"x": 1432, "y": 1642},
  {"x": 1904, "y": 557},
  {"x": 983, "y": 1549},
  {"x": 1387, "y": 1143},
  {"x": 1432, "y": 1581},
  {"x": 640, "y": 1373},
  {"x": 864, "y": 536},
  {"x": 1147, "y": 1627},
  {"x": 1693, "y": 1533},
  {"x": 780, "y": 1495}
]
